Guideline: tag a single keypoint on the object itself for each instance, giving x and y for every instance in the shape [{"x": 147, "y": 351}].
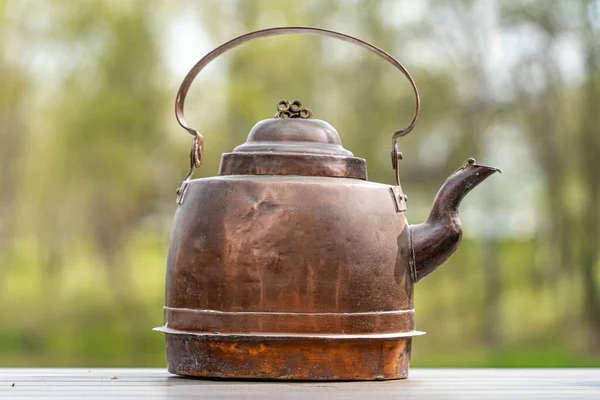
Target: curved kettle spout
[{"x": 436, "y": 239}]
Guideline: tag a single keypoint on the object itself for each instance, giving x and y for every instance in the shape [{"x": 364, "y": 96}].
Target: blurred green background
[{"x": 91, "y": 155}]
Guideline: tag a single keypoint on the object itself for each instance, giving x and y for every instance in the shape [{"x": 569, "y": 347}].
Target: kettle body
[
  {"x": 290, "y": 264},
  {"x": 273, "y": 271}
]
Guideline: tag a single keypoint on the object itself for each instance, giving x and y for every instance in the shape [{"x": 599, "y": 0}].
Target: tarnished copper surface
[
  {"x": 291, "y": 359},
  {"x": 274, "y": 254},
  {"x": 299, "y": 136},
  {"x": 297, "y": 164},
  {"x": 288, "y": 244},
  {"x": 437, "y": 238},
  {"x": 380, "y": 322},
  {"x": 290, "y": 264},
  {"x": 293, "y": 146}
]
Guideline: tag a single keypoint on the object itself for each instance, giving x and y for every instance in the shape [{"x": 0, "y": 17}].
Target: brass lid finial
[{"x": 293, "y": 109}]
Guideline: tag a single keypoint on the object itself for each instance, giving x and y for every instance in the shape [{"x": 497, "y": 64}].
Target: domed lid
[{"x": 292, "y": 144}]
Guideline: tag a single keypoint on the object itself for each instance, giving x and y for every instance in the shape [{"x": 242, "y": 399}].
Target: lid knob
[{"x": 294, "y": 109}]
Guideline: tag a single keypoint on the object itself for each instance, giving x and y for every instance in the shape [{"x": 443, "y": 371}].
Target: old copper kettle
[{"x": 291, "y": 265}]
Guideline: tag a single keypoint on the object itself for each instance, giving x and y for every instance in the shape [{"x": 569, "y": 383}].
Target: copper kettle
[{"x": 291, "y": 265}]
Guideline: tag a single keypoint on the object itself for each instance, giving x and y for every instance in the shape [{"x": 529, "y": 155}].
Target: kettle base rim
[{"x": 281, "y": 357}]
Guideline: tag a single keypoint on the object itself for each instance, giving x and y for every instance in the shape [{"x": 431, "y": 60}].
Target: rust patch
[{"x": 317, "y": 359}]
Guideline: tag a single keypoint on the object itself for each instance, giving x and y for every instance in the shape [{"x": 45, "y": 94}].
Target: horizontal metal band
[
  {"x": 289, "y": 337},
  {"x": 292, "y": 164},
  {"x": 380, "y": 322}
]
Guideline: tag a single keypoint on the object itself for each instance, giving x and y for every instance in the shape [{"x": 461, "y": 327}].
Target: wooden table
[{"x": 150, "y": 384}]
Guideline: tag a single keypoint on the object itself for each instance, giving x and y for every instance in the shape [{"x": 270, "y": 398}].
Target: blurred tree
[
  {"x": 475, "y": 115},
  {"x": 573, "y": 224},
  {"x": 589, "y": 145},
  {"x": 107, "y": 132},
  {"x": 14, "y": 132},
  {"x": 540, "y": 108},
  {"x": 81, "y": 183}
]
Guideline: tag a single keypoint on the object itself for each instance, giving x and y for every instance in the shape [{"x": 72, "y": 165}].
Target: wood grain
[{"x": 151, "y": 384}]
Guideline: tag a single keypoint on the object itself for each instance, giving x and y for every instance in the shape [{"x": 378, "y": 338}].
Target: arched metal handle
[{"x": 197, "y": 145}]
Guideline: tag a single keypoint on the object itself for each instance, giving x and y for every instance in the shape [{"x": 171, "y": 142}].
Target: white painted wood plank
[{"x": 423, "y": 384}]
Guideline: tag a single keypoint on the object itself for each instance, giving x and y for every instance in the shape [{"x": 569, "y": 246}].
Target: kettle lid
[{"x": 292, "y": 144}]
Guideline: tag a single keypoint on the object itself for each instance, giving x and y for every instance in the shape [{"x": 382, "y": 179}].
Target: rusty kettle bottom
[{"x": 287, "y": 358}]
